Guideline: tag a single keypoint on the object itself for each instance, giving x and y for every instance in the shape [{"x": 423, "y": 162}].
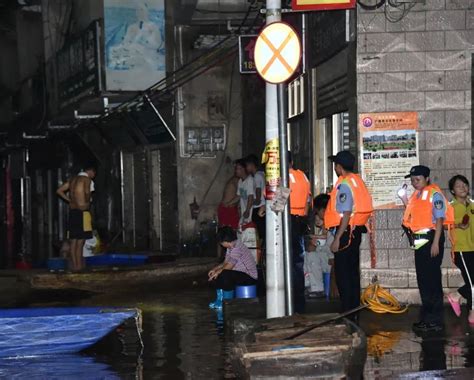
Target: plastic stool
[
  {"x": 228, "y": 294},
  {"x": 327, "y": 284},
  {"x": 249, "y": 291}
]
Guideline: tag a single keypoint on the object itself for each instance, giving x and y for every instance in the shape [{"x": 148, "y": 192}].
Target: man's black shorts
[{"x": 80, "y": 225}]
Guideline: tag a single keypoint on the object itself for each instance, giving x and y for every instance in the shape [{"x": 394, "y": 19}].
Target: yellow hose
[{"x": 380, "y": 300}]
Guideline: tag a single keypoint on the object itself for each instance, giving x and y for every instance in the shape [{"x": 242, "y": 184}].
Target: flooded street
[
  {"x": 394, "y": 350},
  {"x": 180, "y": 336},
  {"x": 183, "y": 341}
]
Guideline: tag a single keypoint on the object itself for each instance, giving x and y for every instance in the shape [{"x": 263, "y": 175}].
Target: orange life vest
[
  {"x": 300, "y": 192},
  {"x": 418, "y": 214},
  {"x": 362, "y": 208}
]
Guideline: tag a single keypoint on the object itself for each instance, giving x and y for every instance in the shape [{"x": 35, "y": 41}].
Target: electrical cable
[
  {"x": 390, "y": 13},
  {"x": 204, "y": 55},
  {"x": 192, "y": 70},
  {"x": 231, "y": 50},
  {"x": 380, "y": 300},
  {"x": 371, "y": 7}
]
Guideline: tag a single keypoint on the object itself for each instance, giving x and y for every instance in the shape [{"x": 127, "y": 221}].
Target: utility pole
[
  {"x": 274, "y": 247},
  {"x": 286, "y": 219}
]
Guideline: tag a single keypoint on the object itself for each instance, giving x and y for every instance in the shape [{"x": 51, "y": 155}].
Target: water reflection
[
  {"x": 56, "y": 367},
  {"x": 399, "y": 353},
  {"x": 432, "y": 355},
  {"x": 183, "y": 339}
]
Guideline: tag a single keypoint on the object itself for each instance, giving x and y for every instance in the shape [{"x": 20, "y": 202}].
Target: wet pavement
[
  {"x": 393, "y": 349},
  {"x": 183, "y": 341}
]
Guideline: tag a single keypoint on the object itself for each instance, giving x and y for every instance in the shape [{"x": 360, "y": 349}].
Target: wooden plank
[
  {"x": 321, "y": 365},
  {"x": 332, "y": 330},
  {"x": 267, "y": 346},
  {"x": 295, "y": 321},
  {"x": 296, "y": 352}
]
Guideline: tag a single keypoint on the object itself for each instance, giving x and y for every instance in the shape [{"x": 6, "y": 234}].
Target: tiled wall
[{"x": 421, "y": 63}]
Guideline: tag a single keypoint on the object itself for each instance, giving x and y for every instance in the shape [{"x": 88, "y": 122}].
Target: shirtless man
[
  {"x": 77, "y": 192},
  {"x": 228, "y": 214}
]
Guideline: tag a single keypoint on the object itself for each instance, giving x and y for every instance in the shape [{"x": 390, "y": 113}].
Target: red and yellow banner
[{"x": 322, "y": 5}]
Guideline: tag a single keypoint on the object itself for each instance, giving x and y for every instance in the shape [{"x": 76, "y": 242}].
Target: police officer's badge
[
  {"x": 438, "y": 205},
  {"x": 342, "y": 197}
]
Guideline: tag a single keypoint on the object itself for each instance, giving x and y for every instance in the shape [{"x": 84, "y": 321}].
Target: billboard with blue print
[{"x": 134, "y": 44}]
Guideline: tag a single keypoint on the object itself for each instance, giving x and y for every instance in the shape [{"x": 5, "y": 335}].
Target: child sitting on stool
[
  {"x": 318, "y": 256},
  {"x": 238, "y": 269}
]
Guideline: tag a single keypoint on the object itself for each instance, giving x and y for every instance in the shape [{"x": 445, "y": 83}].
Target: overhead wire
[
  {"x": 371, "y": 7},
  {"x": 189, "y": 69},
  {"x": 229, "y": 116},
  {"x": 393, "y": 10}
]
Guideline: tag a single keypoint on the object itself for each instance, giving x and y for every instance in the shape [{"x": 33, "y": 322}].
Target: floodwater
[{"x": 183, "y": 339}]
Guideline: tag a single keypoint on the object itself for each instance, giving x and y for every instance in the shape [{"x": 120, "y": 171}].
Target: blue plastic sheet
[{"x": 46, "y": 331}]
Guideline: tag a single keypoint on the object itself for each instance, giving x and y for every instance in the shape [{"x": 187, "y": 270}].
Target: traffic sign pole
[
  {"x": 275, "y": 279},
  {"x": 286, "y": 220}
]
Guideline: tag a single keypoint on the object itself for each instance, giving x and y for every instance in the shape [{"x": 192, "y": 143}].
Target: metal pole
[
  {"x": 61, "y": 205},
  {"x": 274, "y": 257},
  {"x": 286, "y": 221},
  {"x": 122, "y": 196}
]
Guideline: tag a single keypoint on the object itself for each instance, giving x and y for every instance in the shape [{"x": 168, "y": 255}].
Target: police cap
[
  {"x": 344, "y": 158},
  {"x": 419, "y": 170}
]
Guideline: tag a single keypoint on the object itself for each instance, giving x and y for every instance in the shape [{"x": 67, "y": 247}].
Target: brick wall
[{"x": 421, "y": 63}]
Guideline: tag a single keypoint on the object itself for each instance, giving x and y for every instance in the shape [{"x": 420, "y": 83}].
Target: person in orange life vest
[
  {"x": 425, "y": 214},
  {"x": 349, "y": 209},
  {"x": 300, "y": 201}
]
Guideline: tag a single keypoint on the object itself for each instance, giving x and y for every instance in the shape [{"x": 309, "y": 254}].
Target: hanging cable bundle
[{"x": 380, "y": 300}]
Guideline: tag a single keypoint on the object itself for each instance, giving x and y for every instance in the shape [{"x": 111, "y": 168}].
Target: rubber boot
[{"x": 217, "y": 303}]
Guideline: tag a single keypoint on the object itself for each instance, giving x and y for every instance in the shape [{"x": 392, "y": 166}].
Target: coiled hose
[{"x": 380, "y": 300}]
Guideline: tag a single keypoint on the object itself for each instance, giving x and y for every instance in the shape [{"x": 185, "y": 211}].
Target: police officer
[
  {"x": 300, "y": 200},
  {"x": 349, "y": 209},
  {"x": 426, "y": 213}
]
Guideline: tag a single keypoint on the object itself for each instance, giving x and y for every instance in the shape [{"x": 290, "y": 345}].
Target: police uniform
[
  {"x": 300, "y": 196},
  {"x": 348, "y": 195},
  {"x": 424, "y": 208}
]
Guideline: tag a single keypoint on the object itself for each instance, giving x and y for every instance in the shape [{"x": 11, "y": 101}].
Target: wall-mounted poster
[
  {"x": 134, "y": 44},
  {"x": 389, "y": 148}
]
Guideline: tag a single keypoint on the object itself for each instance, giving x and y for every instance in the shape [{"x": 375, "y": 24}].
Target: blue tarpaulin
[{"x": 46, "y": 331}]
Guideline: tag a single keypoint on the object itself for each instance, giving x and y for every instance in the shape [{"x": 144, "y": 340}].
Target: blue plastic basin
[{"x": 57, "y": 263}]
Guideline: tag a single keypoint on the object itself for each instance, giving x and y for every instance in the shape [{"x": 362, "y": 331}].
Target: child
[{"x": 318, "y": 256}]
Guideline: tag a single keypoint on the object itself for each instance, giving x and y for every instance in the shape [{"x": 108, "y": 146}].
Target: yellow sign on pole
[
  {"x": 321, "y": 5},
  {"x": 277, "y": 52}
]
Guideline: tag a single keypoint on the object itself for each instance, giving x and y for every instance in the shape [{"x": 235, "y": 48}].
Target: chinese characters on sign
[
  {"x": 389, "y": 148},
  {"x": 271, "y": 159}
]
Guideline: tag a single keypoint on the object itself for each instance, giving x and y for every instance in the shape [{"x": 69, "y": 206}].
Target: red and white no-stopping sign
[{"x": 277, "y": 52}]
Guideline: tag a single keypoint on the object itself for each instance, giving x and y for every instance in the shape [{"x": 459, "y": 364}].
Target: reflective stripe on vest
[
  {"x": 362, "y": 208},
  {"x": 418, "y": 214},
  {"x": 300, "y": 192}
]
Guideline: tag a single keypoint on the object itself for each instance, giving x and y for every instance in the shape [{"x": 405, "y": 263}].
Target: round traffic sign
[{"x": 277, "y": 52}]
